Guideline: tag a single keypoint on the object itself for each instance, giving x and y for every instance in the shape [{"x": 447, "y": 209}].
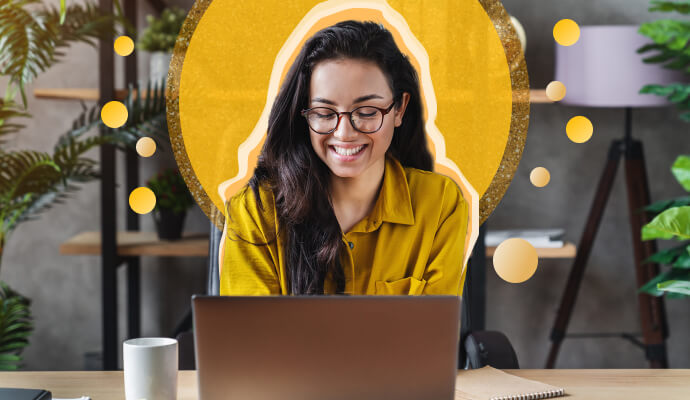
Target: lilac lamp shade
[{"x": 603, "y": 69}]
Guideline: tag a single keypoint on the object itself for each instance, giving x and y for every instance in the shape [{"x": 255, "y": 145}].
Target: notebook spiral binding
[{"x": 531, "y": 396}]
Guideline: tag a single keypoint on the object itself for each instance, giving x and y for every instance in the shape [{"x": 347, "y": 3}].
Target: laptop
[{"x": 326, "y": 347}]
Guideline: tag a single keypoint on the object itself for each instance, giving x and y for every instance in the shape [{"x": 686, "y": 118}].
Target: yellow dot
[
  {"x": 142, "y": 200},
  {"x": 114, "y": 114},
  {"x": 566, "y": 32},
  {"x": 124, "y": 46},
  {"x": 540, "y": 177},
  {"x": 555, "y": 91},
  {"x": 146, "y": 147},
  {"x": 579, "y": 129},
  {"x": 515, "y": 260}
]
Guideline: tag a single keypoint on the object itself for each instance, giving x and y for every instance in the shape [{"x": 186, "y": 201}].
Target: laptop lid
[{"x": 326, "y": 347}]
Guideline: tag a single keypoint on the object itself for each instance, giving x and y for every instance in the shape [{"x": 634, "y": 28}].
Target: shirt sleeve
[
  {"x": 445, "y": 271},
  {"x": 247, "y": 269}
]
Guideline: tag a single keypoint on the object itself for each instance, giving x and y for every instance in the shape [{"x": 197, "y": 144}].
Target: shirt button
[{"x": 352, "y": 245}]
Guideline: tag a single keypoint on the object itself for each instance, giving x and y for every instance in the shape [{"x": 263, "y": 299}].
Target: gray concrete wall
[{"x": 66, "y": 289}]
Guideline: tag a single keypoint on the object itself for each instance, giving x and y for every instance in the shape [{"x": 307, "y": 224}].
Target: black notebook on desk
[{"x": 25, "y": 394}]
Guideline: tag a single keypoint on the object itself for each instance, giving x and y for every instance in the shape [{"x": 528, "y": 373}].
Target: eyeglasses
[{"x": 365, "y": 119}]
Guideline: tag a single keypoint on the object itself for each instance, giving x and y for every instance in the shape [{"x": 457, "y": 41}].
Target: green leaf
[
  {"x": 675, "y": 286},
  {"x": 682, "y": 7},
  {"x": 62, "y": 12},
  {"x": 662, "y": 205},
  {"x": 651, "y": 286},
  {"x": 681, "y": 170},
  {"x": 677, "y": 256},
  {"x": 672, "y": 223}
]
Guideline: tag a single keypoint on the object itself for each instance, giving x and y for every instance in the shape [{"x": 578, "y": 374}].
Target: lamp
[{"x": 603, "y": 69}]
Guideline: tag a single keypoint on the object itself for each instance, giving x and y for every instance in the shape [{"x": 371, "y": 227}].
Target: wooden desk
[{"x": 609, "y": 384}]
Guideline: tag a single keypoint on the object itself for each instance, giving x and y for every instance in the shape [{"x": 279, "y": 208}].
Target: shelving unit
[{"x": 116, "y": 249}]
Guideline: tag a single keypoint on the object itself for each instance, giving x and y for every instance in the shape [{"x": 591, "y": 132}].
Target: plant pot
[
  {"x": 168, "y": 224},
  {"x": 159, "y": 65}
]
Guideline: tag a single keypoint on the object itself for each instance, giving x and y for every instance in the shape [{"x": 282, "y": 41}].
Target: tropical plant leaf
[
  {"x": 651, "y": 286},
  {"x": 15, "y": 327},
  {"x": 674, "y": 223},
  {"x": 671, "y": 33},
  {"x": 146, "y": 115},
  {"x": 681, "y": 170},
  {"x": 676, "y": 286},
  {"x": 662, "y": 205},
  {"x": 678, "y": 256},
  {"x": 31, "y": 36},
  {"x": 682, "y": 6},
  {"x": 9, "y": 109}
]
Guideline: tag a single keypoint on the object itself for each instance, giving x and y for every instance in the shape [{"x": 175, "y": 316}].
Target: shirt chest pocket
[{"x": 405, "y": 286}]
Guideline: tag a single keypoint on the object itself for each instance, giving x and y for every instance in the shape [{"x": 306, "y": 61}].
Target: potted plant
[
  {"x": 172, "y": 201},
  {"x": 672, "y": 221},
  {"x": 159, "y": 39}
]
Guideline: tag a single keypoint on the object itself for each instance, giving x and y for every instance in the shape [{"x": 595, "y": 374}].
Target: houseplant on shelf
[
  {"x": 159, "y": 39},
  {"x": 172, "y": 201},
  {"x": 672, "y": 221},
  {"x": 31, "y": 35}
]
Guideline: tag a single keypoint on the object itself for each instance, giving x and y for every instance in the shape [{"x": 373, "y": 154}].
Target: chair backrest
[{"x": 213, "y": 284}]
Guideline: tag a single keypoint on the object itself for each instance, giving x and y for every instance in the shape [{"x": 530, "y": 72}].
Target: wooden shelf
[
  {"x": 535, "y": 95},
  {"x": 78, "y": 94},
  {"x": 567, "y": 251},
  {"x": 139, "y": 244},
  {"x": 196, "y": 245}
]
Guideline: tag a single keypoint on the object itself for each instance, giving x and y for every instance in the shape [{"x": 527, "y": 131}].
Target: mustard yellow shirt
[{"x": 411, "y": 243}]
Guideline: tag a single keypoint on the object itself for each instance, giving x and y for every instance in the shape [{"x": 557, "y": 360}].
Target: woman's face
[{"x": 343, "y": 85}]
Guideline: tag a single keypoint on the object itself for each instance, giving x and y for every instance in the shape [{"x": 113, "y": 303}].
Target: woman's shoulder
[
  {"x": 247, "y": 213},
  {"x": 428, "y": 184}
]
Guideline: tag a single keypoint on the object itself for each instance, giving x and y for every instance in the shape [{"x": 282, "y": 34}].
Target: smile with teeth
[{"x": 347, "y": 152}]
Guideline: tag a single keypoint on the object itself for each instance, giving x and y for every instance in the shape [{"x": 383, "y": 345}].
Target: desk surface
[{"x": 607, "y": 384}]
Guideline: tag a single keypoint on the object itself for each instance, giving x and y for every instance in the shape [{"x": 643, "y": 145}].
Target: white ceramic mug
[{"x": 150, "y": 368}]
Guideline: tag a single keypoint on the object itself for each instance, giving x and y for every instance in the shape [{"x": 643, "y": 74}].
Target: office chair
[{"x": 477, "y": 348}]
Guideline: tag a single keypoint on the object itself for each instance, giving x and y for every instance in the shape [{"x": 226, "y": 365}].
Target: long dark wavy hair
[{"x": 299, "y": 179}]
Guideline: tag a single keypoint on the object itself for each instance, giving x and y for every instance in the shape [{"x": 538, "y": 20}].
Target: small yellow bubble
[
  {"x": 540, "y": 177},
  {"x": 114, "y": 114},
  {"x": 124, "y": 45},
  {"x": 515, "y": 260},
  {"x": 579, "y": 129},
  {"x": 555, "y": 91},
  {"x": 566, "y": 32},
  {"x": 142, "y": 200},
  {"x": 146, "y": 147}
]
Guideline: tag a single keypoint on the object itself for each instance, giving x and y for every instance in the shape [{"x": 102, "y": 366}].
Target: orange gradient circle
[
  {"x": 566, "y": 32},
  {"x": 124, "y": 46},
  {"x": 555, "y": 91},
  {"x": 540, "y": 177},
  {"x": 142, "y": 200},
  {"x": 146, "y": 147},
  {"x": 114, "y": 114},
  {"x": 579, "y": 129},
  {"x": 515, "y": 260}
]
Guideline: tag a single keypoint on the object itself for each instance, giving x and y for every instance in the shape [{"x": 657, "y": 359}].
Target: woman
[{"x": 343, "y": 199}]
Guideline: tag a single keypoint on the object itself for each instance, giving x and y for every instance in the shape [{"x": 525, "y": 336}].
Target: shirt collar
[{"x": 394, "y": 202}]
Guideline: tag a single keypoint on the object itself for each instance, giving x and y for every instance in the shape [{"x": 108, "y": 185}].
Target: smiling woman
[{"x": 343, "y": 198}]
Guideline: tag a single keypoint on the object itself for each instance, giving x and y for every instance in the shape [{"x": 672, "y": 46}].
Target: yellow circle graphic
[
  {"x": 555, "y": 91},
  {"x": 114, "y": 114},
  {"x": 142, "y": 200},
  {"x": 579, "y": 129},
  {"x": 146, "y": 147},
  {"x": 515, "y": 260},
  {"x": 566, "y": 32},
  {"x": 540, "y": 177},
  {"x": 124, "y": 46},
  {"x": 475, "y": 90}
]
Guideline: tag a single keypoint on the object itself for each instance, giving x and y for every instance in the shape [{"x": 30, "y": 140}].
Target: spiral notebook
[{"x": 489, "y": 383}]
